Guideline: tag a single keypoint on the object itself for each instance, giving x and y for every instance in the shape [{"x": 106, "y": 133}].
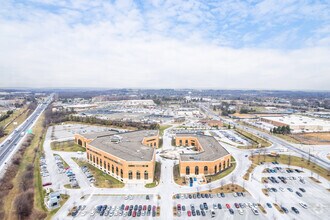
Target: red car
[
  {"x": 144, "y": 207},
  {"x": 46, "y": 184},
  {"x": 228, "y": 206},
  {"x": 134, "y": 213},
  {"x": 189, "y": 213},
  {"x": 126, "y": 208}
]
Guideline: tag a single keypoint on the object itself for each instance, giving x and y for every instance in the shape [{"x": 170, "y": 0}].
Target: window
[
  {"x": 196, "y": 170},
  {"x": 146, "y": 175},
  {"x": 112, "y": 169},
  {"x": 138, "y": 175},
  {"x": 97, "y": 160},
  {"x": 130, "y": 175},
  {"x": 93, "y": 159},
  {"x": 87, "y": 155},
  {"x": 101, "y": 162},
  {"x": 105, "y": 165},
  {"x": 117, "y": 171},
  {"x": 206, "y": 170},
  {"x": 108, "y": 167},
  {"x": 121, "y": 173},
  {"x": 220, "y": 166},
  {"x": 215, "y": 169},
  {"x": 187, "y": 170},
  {"x": 180, "y": 142}
]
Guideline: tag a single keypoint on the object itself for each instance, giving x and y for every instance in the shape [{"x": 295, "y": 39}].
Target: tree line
[{"x": 281, "y": 130}]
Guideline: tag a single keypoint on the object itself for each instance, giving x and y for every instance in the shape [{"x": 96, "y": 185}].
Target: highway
[
  {"x": 270, "y": 137},
  {"x": 12, "y": 142}
]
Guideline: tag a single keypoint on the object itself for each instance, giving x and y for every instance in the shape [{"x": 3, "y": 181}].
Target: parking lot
[
  {"x": 225, "y": 206},
  {"x": 295, "y": 193},
  {"x": 117, "y": 207}
]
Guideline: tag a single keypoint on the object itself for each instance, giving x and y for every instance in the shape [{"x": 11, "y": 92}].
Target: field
[
  {"x": 102, "y": 180},
  {"x": 18, "y": 116},
  {"x": 259, "y": 142},
  {"x": 321, "y": 138},
  {"x": 162, "y": 128},
  {"x": 68, "y": 146}
]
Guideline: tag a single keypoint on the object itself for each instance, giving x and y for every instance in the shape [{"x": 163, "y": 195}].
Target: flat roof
[
  {"x": 93, "y": 135},
  {"x": 300, "y": 120},
  {"x": 213, "y": 150},
  {"x": 127, "y": 146}
]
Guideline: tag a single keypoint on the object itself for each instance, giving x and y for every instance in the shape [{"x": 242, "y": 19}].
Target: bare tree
[{"x": 233, "y": 179}]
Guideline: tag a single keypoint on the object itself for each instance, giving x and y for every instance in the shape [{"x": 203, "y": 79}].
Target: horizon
[{"x": 197, "y": 44}]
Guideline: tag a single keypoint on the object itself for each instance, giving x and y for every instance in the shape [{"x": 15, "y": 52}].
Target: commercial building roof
[
  {"x": 212, "y": 149},
  {"x": 94, "y": 135},
  {"x": 127, "y": 146}
]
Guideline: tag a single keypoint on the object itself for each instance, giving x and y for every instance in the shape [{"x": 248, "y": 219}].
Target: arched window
[
  {"x": 93, "y": 159},
  {"x": 108, "y": 167},
  {"x": 105, "y": 165},
  {"x": 79, "y": 142},
  {"x": 130, "y": 175},
  {"x": 187, "y": 170},
  {"x": 121, "y": 173},
  {"x": 196, "y": 170},
  {"x": 117, "y": 171},
  {"x": 220, "y": 166},
  {"x": 206, "y": 170},
  {"x": 146, "y": 175},
  {"x": 112, "y": 169},
  {"x": 215, "y": 169},
  {"x": 101, "y": 162},
  {"x": 138, "y": 175},
  {"x": 97, "y": 160}
]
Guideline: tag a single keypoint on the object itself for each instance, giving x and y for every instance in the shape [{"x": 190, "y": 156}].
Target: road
[
  {"x": 11, "y": 144},
  {"x": 275, "y": 140}
]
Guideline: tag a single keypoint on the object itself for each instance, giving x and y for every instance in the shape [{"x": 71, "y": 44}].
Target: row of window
[
  {"x": 106, "y": 166},
  {"x": 206, "y": 168}
]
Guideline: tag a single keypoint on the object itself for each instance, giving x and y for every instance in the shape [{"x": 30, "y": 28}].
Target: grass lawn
[
  {"x": 68, "y": 146},
  {"x": 102, "y": 180},
  {"x": 176, "y": 174},
  {"x": 68, "y": 186},
  {"x": 250, "y": 170},
  {"x": 156, "y": 175},
  {"x": 228, "y": 188},
  {"x": 294, "y": 161},
  {"x": 162, "y": 128},
  {"x": 257, "y": 140},
  {"x": 223, "y": 173}
]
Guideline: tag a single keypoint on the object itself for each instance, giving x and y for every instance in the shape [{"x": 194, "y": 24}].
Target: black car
[
  {"x": 202, "y": 195},
  {"x": 299, "y": 194},
  {"x": 190, "y": 196},
  {"x": 147, "y": 197},
  {"x": 284, "y": 209},
  {"x": 198, "y": 212},
  {"x": 207, "y": 196},
  {"x": 205, "y": 206},
  {"x": 231, "y": 211},
  {"x": 219, "y": 206},
  {"x": 222, "y": 195},
  {"x": 302, "y": 190},
  {"x": 193, "y": 212},
  {"x": 295, "y": 210},
  {"x": 203, "y": 213}
]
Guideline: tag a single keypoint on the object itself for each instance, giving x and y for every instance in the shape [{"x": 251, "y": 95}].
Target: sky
[{"x": 227, "y": 44}]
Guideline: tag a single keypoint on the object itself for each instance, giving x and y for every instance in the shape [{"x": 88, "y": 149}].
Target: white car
[
  {"x": 93, "y": 212},
  {"x": 241, "y": 211}
]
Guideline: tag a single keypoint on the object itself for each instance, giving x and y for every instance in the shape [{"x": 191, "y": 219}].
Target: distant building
[{"x": 299, "y": 123}]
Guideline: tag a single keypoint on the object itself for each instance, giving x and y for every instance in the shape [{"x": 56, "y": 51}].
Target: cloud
[{"x": 160, "y": 44}]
